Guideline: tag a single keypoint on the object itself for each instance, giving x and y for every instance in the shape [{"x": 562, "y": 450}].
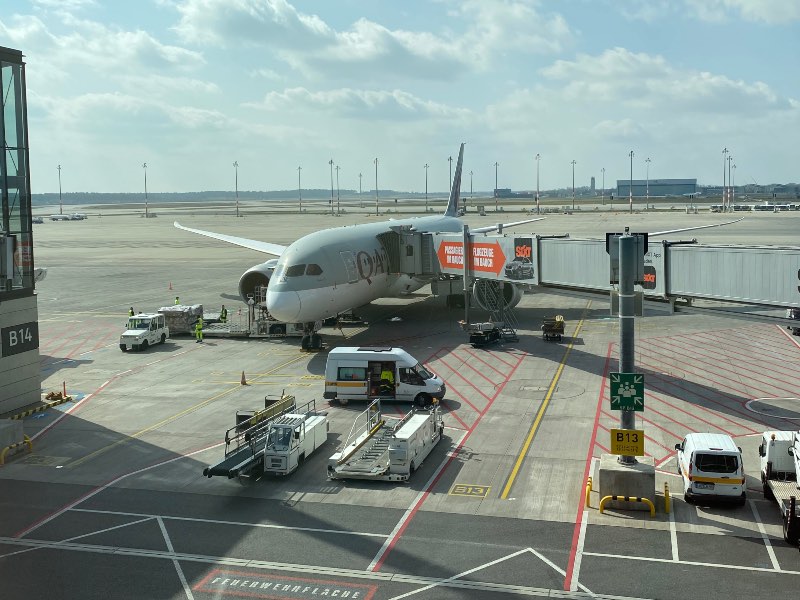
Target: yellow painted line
[
  {"x": 182, "y": 413},
  {"x": 540, "y": 414}
]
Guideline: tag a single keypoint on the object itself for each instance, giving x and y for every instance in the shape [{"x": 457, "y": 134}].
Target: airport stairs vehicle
[{"x": 491, "y": 297}]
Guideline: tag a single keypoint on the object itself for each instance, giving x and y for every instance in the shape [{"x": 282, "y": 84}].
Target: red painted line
[
  {"x": 102, "y": 342},
  {"x": 650, "y": 385},
  {"x": 476, "y": 357},
  {"x": 496, "y": 355},
  {"x": 460, "y": 376},
  {"x": 451, "y": 388},
  {"x": 90, "y": 336},
  {"x": 424, "y": 496},
  {"x": 735, "y": 370},
  {"x": 477, "y": 372},
  {"x": 653, "y": 397},
  {"x": 453, "y": 413},
  {"x": 603, "y": 448},
  {"x": 52, "y": 351},
  {"x": 755, "y": 341},
  {"x": 788, "y": 336},
  {"x": 589, "y": 454}
]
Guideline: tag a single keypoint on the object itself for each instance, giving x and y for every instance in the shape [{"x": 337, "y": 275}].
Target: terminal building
[
  {"x": 19, "y": 330},
  {"x": 656, "y": 187}
]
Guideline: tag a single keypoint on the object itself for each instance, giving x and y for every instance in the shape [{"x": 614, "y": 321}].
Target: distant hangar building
[{"x": 657, "y": 187}]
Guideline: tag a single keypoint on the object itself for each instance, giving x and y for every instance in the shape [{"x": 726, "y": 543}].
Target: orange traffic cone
[
  {"x": 244, "y": 379},
  {"x": 170, "y": 285}
]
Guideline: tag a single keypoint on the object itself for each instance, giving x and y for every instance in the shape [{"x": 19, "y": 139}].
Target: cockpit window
[
  {"x": 295, "y": 270},
  {"x": 278, "y": 272},
  {"x": 314, "y": 270}
]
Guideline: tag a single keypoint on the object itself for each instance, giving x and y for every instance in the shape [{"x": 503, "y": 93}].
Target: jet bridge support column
[
  {"x": 627, "y": 320},
  {"x": 466, "y": 262}
]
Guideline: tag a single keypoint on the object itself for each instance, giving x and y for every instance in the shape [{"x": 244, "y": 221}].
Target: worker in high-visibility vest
[
  {"x": 177, "y": 301},
  {"x": 387, "y": 382},
  {"x": 130, "y": 312},
  {"x": 198, "y": 330},
  {"x": 223, "y": 315}
]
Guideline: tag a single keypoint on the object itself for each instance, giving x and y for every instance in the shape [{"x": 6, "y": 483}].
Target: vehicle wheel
[
  {"x": 305, "y": 341},
  {"x": 316, "y": 341},
  {"x": 688, "y": 499},
  {"x": 123, "y": 348},
  {"x": 422, "y": 400},
  {"x": 791, "y": 538},
  {"x": 144, "y": 345},
  {"x": 413, "y": 466},
  {"x": 742, "y": 501},
  {"x": 163, "y": 337},
  {"x": 768, "y": 495}
]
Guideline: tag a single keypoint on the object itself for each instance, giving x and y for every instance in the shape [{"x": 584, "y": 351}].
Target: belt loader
[
  {"x": 274, "y": 440},
  {"x": 780, "y": 476},
  {"x": 386, "y": 448}
]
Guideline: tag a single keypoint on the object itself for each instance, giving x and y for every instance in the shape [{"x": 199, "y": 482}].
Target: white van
[
  {"x": 144, "y": 330},
  {"x": 385, "y": 373},
  {"x": 712, "y": 468}
]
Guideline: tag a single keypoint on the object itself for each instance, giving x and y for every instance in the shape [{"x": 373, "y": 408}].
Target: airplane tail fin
[{"x": 454, "y": 204}]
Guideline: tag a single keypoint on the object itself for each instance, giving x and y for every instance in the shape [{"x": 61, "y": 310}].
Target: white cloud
[{"x": 766, "y": 11}]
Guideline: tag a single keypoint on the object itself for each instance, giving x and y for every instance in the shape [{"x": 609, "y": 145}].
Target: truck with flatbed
[
  {"x": 780, "y": 473},
  {"x": 142, "y": 331}
]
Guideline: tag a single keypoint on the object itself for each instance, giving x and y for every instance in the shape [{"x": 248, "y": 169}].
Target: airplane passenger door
[{"x": 350, "y": 266}]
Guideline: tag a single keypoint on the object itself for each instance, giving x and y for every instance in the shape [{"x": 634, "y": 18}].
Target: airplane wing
[
  {"x": 505, "y": 225},
  {"x": 265, "y": 247},
  {"x": 693, "y": 228}
]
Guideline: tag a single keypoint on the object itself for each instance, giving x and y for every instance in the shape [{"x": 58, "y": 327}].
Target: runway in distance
[{"x": 328, "y": 272}]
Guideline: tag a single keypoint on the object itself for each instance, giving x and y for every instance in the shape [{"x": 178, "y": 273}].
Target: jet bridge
[{"x": 675, "y": 272}]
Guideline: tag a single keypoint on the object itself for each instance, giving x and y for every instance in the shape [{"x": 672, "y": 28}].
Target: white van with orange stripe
[{"x": 712, "y": 468}]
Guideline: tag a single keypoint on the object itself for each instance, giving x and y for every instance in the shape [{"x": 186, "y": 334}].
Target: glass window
[
  {"x": 314, "y": 270},
  {"x": 716, "y": 463},
  {"x": 295, "y": 270},
  {"x": 423, "y": 372},
  {"x": 352, "y": 374}
]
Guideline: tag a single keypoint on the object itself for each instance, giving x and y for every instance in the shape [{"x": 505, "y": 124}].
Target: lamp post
[
  {"x": 603, "y": 193},
  {"x": 630, "y": 187},
  {"x": 299, "y": 192},
  {"x": 144, "y": 166},
  {"x": 496, "y": 164},
  {"x": 724, "y": 195},
  {"x": 538, "y": 207},
  {"x": 60, "y": 204},
  {"x": 376, "y": 187},
  {"x": 450, "y": 184},
  {"x": 330, "y": 162},
  {"x": 647, "y": 185},
  {"x": 337, "y": 190},
  {"x": 426, "y": 188},
  {"x": 733, "y": 186},
  {"x": 359, "y": 191},
  {"x": 573, "y": 185},
  {"x": 236, "y": 184},
  {"x": 730, "y": 185}
]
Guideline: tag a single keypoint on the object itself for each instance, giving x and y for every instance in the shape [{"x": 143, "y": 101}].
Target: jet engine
[
  {"x": 256, "y": 277},
  {"x": 490, "y": 294}
]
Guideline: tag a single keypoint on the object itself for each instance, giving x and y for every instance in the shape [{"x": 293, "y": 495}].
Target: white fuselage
[{"x": 353, "y": 270}]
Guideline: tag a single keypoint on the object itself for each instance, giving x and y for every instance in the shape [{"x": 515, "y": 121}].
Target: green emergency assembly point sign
[{"x": 627, "y": 391}]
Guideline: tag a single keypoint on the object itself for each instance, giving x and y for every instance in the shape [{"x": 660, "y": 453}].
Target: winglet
[{"x": 455, "y": 192}]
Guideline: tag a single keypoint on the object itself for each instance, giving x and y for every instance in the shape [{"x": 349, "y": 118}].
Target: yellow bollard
[{"x": 588, "y": 491}]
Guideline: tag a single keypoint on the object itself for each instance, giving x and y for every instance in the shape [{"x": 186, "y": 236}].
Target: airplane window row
[{"x": 298, "y": 270}]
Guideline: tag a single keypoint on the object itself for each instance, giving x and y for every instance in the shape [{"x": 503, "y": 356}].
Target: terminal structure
[{"x": 19, "y": 331}]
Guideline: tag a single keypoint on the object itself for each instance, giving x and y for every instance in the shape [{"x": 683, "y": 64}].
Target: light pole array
[
  {"x": 647, "y": 185},
  {"x": 724, "y": 188},
  {"x": 496, "y": 164},
  {"x": 376, "y": 187},
  {"x": 361, "y": 199},
  {"x": 730, "y": 185},
  {"x": 603, "y": 193},
  {"x": 630, "y": 187},
  {"x": 236, "y": 184},
  {"x": 60, "y": 204},
  {"x": 573, "y": 184},
  {"x": 733, "y": 186},
  {"x": 330, "y": 162},
  {"x": 538, "y": 207},
  {"x": 299, "y": 192},
  {"x": 338, "y": 211},
  {"x": 426, "y": 188},
  {"x": 144, "y": 166}
]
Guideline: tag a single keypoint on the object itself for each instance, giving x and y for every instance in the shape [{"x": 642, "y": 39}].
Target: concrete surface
[{"x": 637, "y": 480}]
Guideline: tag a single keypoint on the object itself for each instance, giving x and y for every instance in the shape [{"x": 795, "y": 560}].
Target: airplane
[{"x": 331, "y": 271}]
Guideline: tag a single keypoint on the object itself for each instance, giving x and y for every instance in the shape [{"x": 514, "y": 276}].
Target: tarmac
[{"x": 112, "y": 501}]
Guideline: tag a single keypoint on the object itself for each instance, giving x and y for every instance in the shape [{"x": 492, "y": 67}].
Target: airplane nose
[{"x": 284, "y": 305}]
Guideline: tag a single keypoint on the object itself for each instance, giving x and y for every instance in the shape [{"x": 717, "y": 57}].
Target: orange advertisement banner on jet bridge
[{"x": 486, "y": 258}]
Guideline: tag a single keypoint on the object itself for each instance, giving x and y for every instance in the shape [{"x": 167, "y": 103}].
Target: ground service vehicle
[
  {"x": 292, "y": 438},
  {"x": 780, "y": 472},
  {"x": 386, "y": 448},
  {"x": 387, "y": 373},
  {"x": 144, "y": 330},
  {"x": 712, "y": 469},
  {"x": 794, "y": 314},
  {"x": 553, "y": 327}
]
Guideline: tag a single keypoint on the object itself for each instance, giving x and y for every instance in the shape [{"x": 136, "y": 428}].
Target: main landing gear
[{"x": 311, "y": 340}]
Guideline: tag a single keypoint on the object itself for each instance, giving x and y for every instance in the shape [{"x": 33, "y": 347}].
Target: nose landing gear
[{"x": 311, "y": 340}]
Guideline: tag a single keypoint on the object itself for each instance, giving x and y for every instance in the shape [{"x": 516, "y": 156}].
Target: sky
[{"x": 191, "y": 86}]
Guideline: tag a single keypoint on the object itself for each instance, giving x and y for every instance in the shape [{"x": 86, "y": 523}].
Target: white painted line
[
  {"x": 412, "y": 507},
  {"x": 77, "y": 537},
  {"x": 664, "y": 461},
  {"x": 789, "y": 336},
  {"x": 175, "y": 562},
  {"x": 673, "y": 532},
  {"x": 693, "y": 563},
  {"x": 770, "y": 550},
  {"x": 460, "y": 575},
  {"x": 558, "y": 569},
  {"x": 311, "y": 569},
  {"x": 97, "y": 490},
  {"x": 576, "y": 568},
  {"x": 234, "y": 523}
]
